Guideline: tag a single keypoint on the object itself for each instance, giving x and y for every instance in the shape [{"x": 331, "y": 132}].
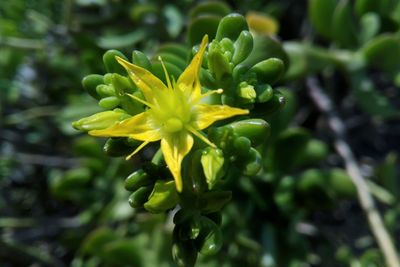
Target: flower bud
[
  {"x": 254, "y": 163},
  {"x": 243, "y": 47},
  {"x": 90, "y": 82},
  {"x": 242, "y": 145},
  {"x": 217, "y": 62},
  {"x": 269, "y": 70},
  {"x": 109, "y": 102},
  {"x": 140, "y": 59},
  {"x": 163, "y": 197},
  {"x": 99, "y": 120},
  {"x": 137, "y": 179},
  {"x": 105, "y": 90},
  {"x": 184, "y": 253},
  {"x": 190, "y": 229},
  {"x": 139, "y": 197},
  {"x": 111, "y": 63},
  {"x": 264, "y": 93},
  {"x": 210, "y": 240},
  {"x": 231, "y": 26},
  {"x": 257, "y": 130},
  {"x": 247, "y": 92},
  {"x": 212, "y": 160}
]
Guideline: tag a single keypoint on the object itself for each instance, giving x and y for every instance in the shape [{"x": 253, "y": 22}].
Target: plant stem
[{"x": 324, "y": 104}]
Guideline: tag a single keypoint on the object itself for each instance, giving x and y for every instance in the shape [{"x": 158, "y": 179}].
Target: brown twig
[{"x": 324, "y": 104}]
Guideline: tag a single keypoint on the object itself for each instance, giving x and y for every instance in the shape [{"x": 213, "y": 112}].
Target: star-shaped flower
[{"x": 174, "y": 113}]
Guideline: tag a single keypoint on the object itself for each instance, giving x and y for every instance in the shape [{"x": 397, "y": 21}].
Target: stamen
[
  {"x": 218, "y": 91},
  {"x": 141, "y": 101},
  {"x": 165, "y": 73},
  {"x": 142, "y": 145},
  {"x": 199, "y": 135}
]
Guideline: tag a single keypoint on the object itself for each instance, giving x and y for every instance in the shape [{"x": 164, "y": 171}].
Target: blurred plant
[
  {"x": 364, "y": 44},
  {"x": 268, "y": 194}
]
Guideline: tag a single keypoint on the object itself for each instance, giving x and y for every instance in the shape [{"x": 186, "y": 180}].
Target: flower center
[{"x": 173, "y": 125}]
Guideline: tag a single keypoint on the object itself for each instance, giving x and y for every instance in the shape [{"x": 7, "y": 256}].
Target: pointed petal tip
[
  {"x": 178, "y": 185},
  {"x": 205, "y": 39},
  {"x": 122, "y": 61}
]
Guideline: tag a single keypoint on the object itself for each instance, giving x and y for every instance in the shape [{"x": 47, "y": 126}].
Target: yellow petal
[
  {"x": 175, "y": 147},
  {"x": 208, "y": 114},
  {"x": 149, "y": 84},
  {"x": 139, "y": 127},
  {"x": 189, "y": 79}
]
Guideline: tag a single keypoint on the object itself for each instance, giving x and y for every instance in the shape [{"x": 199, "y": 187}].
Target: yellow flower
[{"x": 174, "y": 113}]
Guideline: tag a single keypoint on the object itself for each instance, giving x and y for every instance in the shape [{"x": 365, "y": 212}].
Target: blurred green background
[{"x": 63, "y": 202}]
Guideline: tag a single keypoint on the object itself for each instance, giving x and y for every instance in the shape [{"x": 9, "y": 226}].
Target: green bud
[
  {"x": 158, "y": 158},
  {"x": 276, "y": 103},
  {"x": 108, "y": 78},
  {"x": 239, "y": 71},
  {"x": 184, "y": 253},
  {"x": 221, "y": 136},
  {"x": 212, "y": 160},
  {"x": 90, "y": 82},
  {"x": 140, "y": 59},
  {"x": 139, "y": 197},
  {"x": 228, "y": 56},
  {"x": 116, "y": 147},
  {"x": 121, "y": 84},
  {"x": 163, "y": 197},
  {"x": 257, "y": 130},
  {"x": 269, "y": 70},
  {"x": 136, "y": 180},
  {"x": 242, "y": 145},
  {"x": 152, "y": 169},
  {"x": 214, "y": 201},
  {"x": 243, "y": 47},
  {"x": 217, "y": 62},
  {"x": 246, "y": 91},
  {"x": 264, "y": 93},
  {"x": 105, "y": 90},
  {"x": 99, "y": 120},
  {"x": 231, "y": 26},
  {"x": 254, "y": 163},
  {"x": 111, "y": 63},
  {"x": 227, "y": 45},
  {"x": 210, "y": 240},
  {"x": 191, "y": 229},
  {"x": 109, "y": 102}
]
